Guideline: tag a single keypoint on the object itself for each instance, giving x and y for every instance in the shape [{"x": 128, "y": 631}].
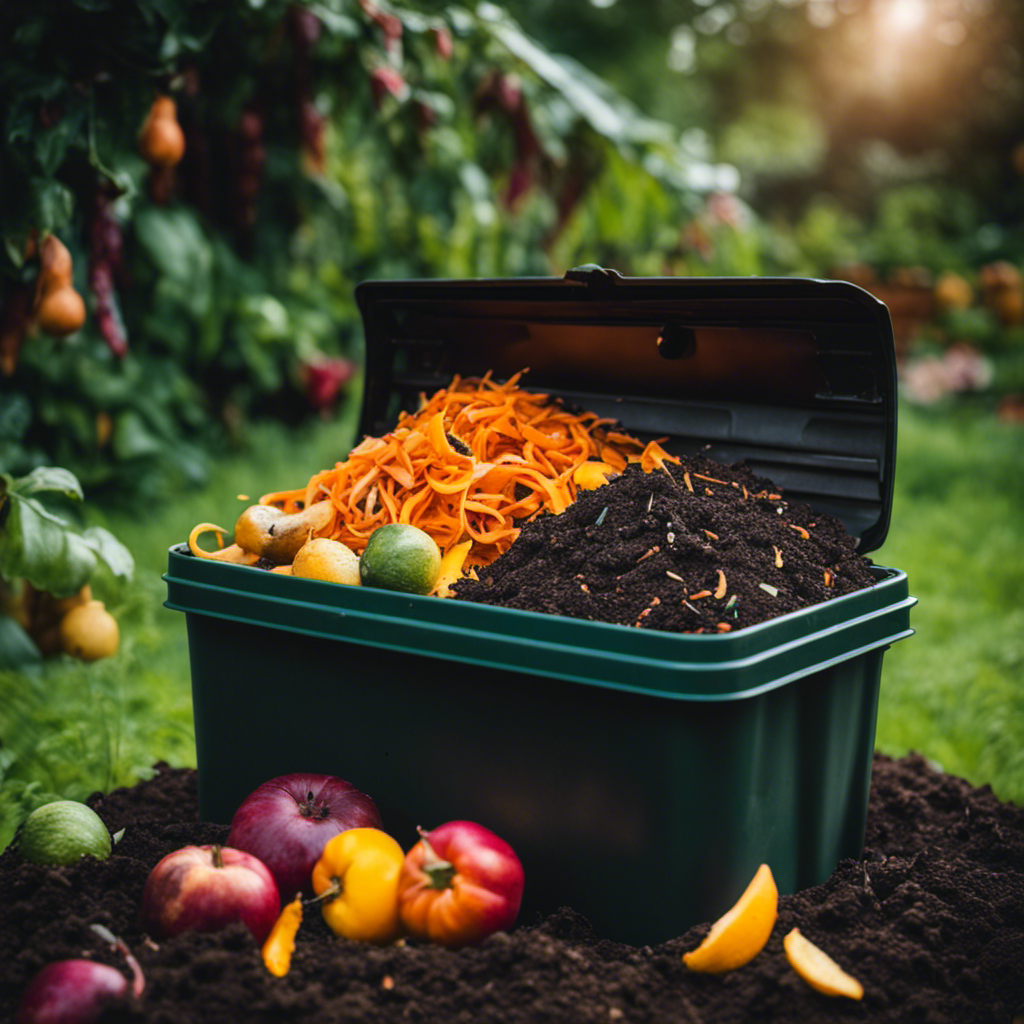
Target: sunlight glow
[{"x": 905, "y": 16}]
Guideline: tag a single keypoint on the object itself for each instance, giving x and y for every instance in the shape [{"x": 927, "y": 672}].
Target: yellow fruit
[
  {"x": 953, "y": 292},
  {"x": 61, "y": 312},
  {"x": 400, "y": 557},
  {"x": 266, "y": 531},
  {"x": 161, "y": 140},
  {"x": 42, "y": 613},
  {"x": 89, "y": 632},
  {"x": 739, "y": 935},
  {"x": 818, "y": 969},
  {"x": 324, "y": 559}
]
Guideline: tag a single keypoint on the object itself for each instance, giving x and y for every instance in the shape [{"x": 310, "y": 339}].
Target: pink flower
[
  {"x": 386, "y": 81},
  {"x": 323, "y": 379}
]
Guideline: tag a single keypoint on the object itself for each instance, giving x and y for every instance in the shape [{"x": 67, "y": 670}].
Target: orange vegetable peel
[
  {"x": 818, "y": 969},
  {"x": 475, "y": 459},
  {"x": 740, "y": 934},
  {"x": 280, "y": 943}
]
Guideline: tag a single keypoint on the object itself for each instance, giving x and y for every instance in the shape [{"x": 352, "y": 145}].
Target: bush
[{"x": 323, "y": 143}]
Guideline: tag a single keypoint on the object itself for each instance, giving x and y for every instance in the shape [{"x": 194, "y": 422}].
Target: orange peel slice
[
  {"x": 451, "y": 567},
  {"x": 231, "y": 553},
  {"x": 591, "y": 475},
  {"x": 818, "y": 969},
  {"x": 742, "y": 932}
]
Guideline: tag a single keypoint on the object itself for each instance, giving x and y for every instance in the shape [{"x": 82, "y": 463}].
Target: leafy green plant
[
  {"x": 40, "y": 547},
  {"x": 324, "y": 142}
]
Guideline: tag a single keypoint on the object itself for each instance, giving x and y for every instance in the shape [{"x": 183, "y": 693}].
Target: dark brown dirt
[
  {"x": 697, "y": 548},
  {"x": 931, "y": 921}
]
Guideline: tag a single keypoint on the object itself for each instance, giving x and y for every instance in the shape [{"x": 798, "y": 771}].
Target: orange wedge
[
  {"x": 818, "y": 969},
  {"x": 591, "y": 475},
  {"x": 451, "y": 567},
  {"x": 738, "y": 936}
]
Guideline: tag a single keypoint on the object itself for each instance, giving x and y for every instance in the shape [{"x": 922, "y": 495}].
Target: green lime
[
  {"x": 63, "y": 831},
  {"x": 400, "y": 557}
]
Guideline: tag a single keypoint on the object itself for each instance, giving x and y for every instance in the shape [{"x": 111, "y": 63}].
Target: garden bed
[{"x": 931, "y": 921}]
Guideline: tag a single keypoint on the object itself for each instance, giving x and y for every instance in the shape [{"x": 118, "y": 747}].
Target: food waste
[{"x": 489, "y": 493}]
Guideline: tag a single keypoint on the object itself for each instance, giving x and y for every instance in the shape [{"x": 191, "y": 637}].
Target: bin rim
[{"x": 685, "y": 667}]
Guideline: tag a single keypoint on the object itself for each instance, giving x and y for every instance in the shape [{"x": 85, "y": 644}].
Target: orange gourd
[{"x": 161, "y": 140}]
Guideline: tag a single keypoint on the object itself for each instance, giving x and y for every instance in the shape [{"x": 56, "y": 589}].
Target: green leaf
[
  {"x": 7, "y": 758},
  {"x": 16, "y": 651},
  {"x": 133, "y": 439},
  {"x": 49, "y": 478},
  {"x": 52, "y": 144},
  {"x": 54, "y": 204},
  {"x": 15, "y": 416},
  {"x": 40, "y": 546},
  {"x": 110, "y": 551},
  {"x": 334, "y": 21}
]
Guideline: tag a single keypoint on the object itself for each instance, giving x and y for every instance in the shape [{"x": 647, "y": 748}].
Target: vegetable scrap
[
  {"x": 511, "y": 485},
  {"x": 732, "y": 557},
  {"x": 818, "y": 969},
  {"x": 280, "y": 943},
  {"x": 742, "y": 932},
  {"x": 472, "y": 463},
  {"x": 931, "y": 922}
]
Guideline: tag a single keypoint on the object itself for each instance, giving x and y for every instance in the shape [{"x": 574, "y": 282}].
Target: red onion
[{"x": 78, "y": 991}]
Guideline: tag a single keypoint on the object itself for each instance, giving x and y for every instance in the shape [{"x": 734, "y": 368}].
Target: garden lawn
[
  {"x": 68, "y": 728},
  {"x": 954, "y": 691}
]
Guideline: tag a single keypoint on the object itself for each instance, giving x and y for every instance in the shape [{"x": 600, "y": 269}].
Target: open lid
[{"x": 796, "y": 377}]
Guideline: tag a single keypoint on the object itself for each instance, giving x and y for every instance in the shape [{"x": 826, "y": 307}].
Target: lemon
[
  {"x": 324, "y": 559},
  {"x": 61, "y": 832},
  {"x": 739, "y": 935},
  {"x": 400, "y": 557}
]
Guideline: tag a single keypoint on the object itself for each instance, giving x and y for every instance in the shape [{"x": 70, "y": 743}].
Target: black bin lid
[{"x": 796, "y": 377}]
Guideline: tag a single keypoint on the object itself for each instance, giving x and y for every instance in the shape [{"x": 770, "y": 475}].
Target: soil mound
[{"x": 931, "y": 921}]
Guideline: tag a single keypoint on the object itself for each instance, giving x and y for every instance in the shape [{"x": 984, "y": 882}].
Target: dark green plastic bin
[{"x": 641, "y": 776}]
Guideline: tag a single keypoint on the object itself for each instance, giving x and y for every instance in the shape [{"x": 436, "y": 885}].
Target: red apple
[
  {"x": 206, "y": 888},
  {"x": 287, "y": 822}
]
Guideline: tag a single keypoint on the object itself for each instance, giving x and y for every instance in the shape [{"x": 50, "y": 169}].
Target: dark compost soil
[
  {"x": 695, "y": 548},
  {"x": 931, "y": 921}
]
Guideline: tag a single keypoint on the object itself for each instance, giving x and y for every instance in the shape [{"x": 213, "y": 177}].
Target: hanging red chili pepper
[
  {"x": 15, "y": 320},
  {"x": 305, "y": 30},
  {"x": 250, "y": 157},
  {"x": 106, "y": 262},
  {"x": 443, "y": 46},
  {"x": 387, "y": 81},
  {"x": 503, "y": 93},
  {"x": 389, "y": 24}
]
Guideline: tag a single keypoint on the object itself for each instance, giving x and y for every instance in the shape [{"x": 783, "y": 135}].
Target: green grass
[
  {"x": 67, "y": 728},
  {"x": 954, "y": 691}
]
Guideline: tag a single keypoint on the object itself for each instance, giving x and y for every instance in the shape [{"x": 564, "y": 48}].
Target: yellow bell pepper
[{"x": 357, "y": 874}]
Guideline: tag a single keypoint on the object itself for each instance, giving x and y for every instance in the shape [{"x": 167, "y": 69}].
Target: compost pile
[
  {"x": 931, "y": 922},
  {"x": 698, "y": 547}
]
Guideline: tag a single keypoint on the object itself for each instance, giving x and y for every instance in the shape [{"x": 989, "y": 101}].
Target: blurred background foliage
[
  {"x": 330, "y": 141},
  {"x": 324, "y": 143}
]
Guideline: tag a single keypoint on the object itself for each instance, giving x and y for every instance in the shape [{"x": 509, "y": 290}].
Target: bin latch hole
[{"x": 676, "y": 342}]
